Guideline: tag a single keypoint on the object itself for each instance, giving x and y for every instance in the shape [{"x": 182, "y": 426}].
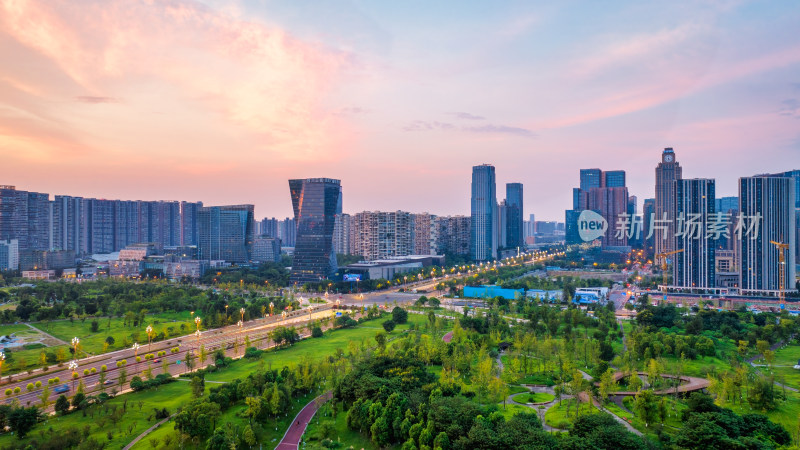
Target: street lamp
[
  {"x": 136, "y": 353},
  {"x": 2, "y": 359},
  {"x": 75, "y": 342},
  {"x": 149, "y": 331},
  {"x": 242, "y": 311},
  {"x": 73, "y": 366},
  {"x": 271, "y": 307}
]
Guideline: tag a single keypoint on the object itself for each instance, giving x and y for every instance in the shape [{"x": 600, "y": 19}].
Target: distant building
[
  {"x": 426, "y": 234},
  {"x": 453, "y": 235},
  {"x": 266, "y": 249},
  {"x": 382, "y": 235},
  {"x": 694, "y": 267},
  {"x": 315, "y": 202},
  {"x": 9, "y": 254},
  {"x": 341, "y": 234},
  {"x": 668, "y": 172},
  {"x": 515, "y": 233},
  {"x": 188, "y": 221},
  {"x": 484, "y": 227},
  {"x": 648, "y": 211},
  {"x": 225, "y": 233},
  {"x": 773, "y": 199}
]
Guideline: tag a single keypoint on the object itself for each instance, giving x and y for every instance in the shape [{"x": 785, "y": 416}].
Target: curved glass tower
[{"x": 315, "y": 202}]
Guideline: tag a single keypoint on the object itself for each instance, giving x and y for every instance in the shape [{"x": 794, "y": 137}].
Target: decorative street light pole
[
  {"x": 197, "y": 346},
  {"x": 2, "y": 359},
  {"x": 73, "y": 366},
  {"x": 197, "y": 321},
  {"x": 75, "y": 342},
  {"x": 271, "y": 307},
  {"x": 136, "y": 355},
  {"x": 149, "y": 331}
]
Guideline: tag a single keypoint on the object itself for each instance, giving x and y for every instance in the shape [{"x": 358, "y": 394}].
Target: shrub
[{"x": 316, "y": 332}]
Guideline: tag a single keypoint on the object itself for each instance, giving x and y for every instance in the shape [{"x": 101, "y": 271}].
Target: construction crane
[
  {"x": 663, "y": 258},
  {"x": 782, "y": 261}
]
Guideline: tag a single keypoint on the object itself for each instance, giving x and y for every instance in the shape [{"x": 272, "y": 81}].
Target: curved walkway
[
  {"x": 690, "y": 384},
  {"x": 146, "y": 432},
  {"x": 291, "y": 439}
]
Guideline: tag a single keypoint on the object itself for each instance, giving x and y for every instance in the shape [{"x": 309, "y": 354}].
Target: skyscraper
[
  {"x": 614, "y": 178},
  {"x": 483, "y": 232},
  {"x": 515, "y": 236},
  {"x": 773, "y": 199},
  {"x": 189, "y": 222},
  {"x": 315, "y": 202},
  {"x": 667, "y": 172},
  {"x": 425, "y": 234},
  {"x": 694, "y": 267},
  {"x": 225, "y": 233},
  {"x": 648, "y": 210}
]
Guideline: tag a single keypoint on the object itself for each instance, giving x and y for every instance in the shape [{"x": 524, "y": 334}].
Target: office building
[
  {"x": 613, "y": 178},
  {"x": 667, "y": 172},
  {"x": 515, "y": 235},
  {"x": 287, "y": 232},
  {"x": 225, "y": 233},
  {"x": 315, "y": 202},
  {"x": 773, "y": 200},
  {"x": 606, "y": 194},
  {"x": 694, "y": 267},
  {"x": 484, "y": 235}
]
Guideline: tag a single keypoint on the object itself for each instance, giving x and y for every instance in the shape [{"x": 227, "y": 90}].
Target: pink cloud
[{"x": 258, "y": 80}]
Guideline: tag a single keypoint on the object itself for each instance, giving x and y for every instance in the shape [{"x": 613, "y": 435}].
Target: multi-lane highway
[{"x": 256, "y": 330}]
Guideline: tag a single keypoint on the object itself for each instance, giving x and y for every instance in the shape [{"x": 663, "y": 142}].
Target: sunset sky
[{"x": 224, "y": 101}]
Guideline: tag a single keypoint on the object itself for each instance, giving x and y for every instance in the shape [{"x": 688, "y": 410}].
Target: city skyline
[{"x": 374, "y": 95}]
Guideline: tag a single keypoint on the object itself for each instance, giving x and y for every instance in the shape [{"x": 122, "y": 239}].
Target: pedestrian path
[{"x": 291, "y": 439}]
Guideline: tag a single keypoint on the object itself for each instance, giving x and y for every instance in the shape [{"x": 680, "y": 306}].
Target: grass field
[
  {"x": 558, "y": 417},
  {"x": 538, "y": 397},
  {"x": 783, "y": 366}
]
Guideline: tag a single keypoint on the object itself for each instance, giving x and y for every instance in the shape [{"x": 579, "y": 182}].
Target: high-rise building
[
  {"x": 614, "y": 178},
  {"x": 38, "y": 221},
  {"x": 667, "y": 172},
  {"x": 189, "y": 222},
  {"x": 225, "y": 233},
  {"x": 773, "y": 200},
  {"x": 591, "y": 178},
  {"x": 268, "y": 227},
  {"x": 502, "y": 222},
  {"x": 425, "y": 234},
  {"x": 612, "y": 204},
  {"x": 14, "y": 215},
  {"x": 795, "y": 175},
  {"x": 382, "y": 235},
  {"x": 287, "y": 232},
  {"x": 515, "y": 236},
  {"x": 453, "y": 235},
  {"x": 484, "y": 236},
  {"x": 694, "y": 267},
  {"x": 68, "y": 218},
  {"x": 266, "y": 249},
  {"x": 9, "y": 254},
  {"x": 315, "y": 202},
  {"x": 341, "y": 234},
  {"x": 648, "y": 210}
]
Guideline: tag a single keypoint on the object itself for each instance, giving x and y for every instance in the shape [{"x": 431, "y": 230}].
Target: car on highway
[
  {"x": 61, "y": 389},
  {"x": 108, "y": 382}
]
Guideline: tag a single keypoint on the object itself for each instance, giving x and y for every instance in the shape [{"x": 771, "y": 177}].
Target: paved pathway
[
  {"x": 146, "y": 432},
  {"x": 448, "y": 337},
  {"x": 45, "y": 333},
  {"x": 291, "y": 439}
]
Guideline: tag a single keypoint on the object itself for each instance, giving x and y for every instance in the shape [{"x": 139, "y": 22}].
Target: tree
[
  {"x": 22, "y": 420},
  {"x": 316, "y": 332},
  {"x": 249, "y": 436},
  {"x": 62, "y": 405},
  {"x": 198, "y": 386},
  {"x": 44, "y": 396},
  {"x": 646, "y": 406},
  {"x": 380, "y": 339},
  {"x": 607, "y": 384},
  {"x": 399, "y": 315},
  {"x": 198, "y": 419},
  {"x": 389, "y": 325}
]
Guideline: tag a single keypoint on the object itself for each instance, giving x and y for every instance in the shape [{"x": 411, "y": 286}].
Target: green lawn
[
  {"x": 786, "y": 414},
  {"x": 538, "y": 397},
  {"x": 512, "y": 409},
  {"x": 558, "y": 417},
  {"x": 783, "y": 366},
  {"x": 15, "y": 328}
]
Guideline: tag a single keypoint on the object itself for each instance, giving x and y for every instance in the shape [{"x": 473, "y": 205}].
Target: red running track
[{"x": 291, "y": 440}]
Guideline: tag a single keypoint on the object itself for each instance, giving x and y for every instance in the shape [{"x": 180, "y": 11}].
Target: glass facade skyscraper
[
  {"x": 225, "y": 233},
  {"x": 514, "y": 228},
  {"x": 315, "y": 202},
  {"x": 694, "y": 266},
  {"x": 483, "y": 234}
]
